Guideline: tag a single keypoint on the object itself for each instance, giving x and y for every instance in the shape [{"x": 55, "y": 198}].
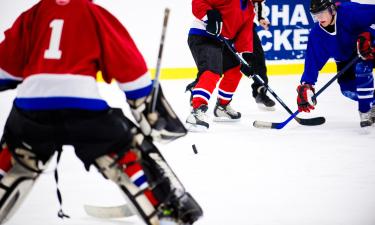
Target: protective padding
[
  {"x": 134, "y": 196},
  {"x": 16, "y": 184},
  {"x": 362, "y": 88}
]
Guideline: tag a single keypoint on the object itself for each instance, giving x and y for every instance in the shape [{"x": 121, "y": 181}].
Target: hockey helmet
[{"x": 317, "y": 6}]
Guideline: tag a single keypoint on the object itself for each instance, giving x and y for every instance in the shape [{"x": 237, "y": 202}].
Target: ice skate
[
  {"x": 263, "y": 101},
  {"x": 372, "y": 115},
  {"x": 225, "y": 113},
  {"x": 197, "y": 121},
  {"x": 366, "y": 119}
]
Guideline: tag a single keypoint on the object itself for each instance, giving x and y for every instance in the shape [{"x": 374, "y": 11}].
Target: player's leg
[
  {"x": 357, "y": 84},
  {"x": 19, "y": 162},
  {"x": 227, "y": 87},
  {"x": 259, "y": 92},
  {"x": 207, "y": 54},
  {"x": 123, "y": 155},
  {"x": 365, "y": 90}
]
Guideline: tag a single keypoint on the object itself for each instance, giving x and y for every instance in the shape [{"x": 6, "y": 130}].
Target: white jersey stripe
[{"x": 59, "y": 85}]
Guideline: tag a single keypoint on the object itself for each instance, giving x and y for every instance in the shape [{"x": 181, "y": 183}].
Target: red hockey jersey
[
  {"x": 237, "y": 15},
  {"x": 56, "y": 50}
]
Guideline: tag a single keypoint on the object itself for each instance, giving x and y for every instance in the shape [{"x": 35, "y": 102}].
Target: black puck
[{"x": 194, "y": 149}]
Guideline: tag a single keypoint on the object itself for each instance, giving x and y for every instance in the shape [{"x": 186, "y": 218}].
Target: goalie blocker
[
  {"x": 120, "y": 152},
  {"x": 162, "y": 123}
]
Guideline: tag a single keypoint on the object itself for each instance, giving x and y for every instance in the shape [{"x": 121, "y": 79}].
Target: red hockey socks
[
  {"x": 203, "y": 90},
  {"x": 229, "y": 84},
  {"x": 136, "y": 174},
  {"x": 5, "y": 161}
]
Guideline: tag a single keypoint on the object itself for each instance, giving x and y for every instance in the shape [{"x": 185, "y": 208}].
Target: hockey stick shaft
[
  {"x": 258, "y": 79},
  {"x": 158, "y": 63},
  {"x": 350, "y": 64}
]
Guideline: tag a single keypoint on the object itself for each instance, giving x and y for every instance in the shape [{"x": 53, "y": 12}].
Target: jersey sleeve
[
  {"x": 244, "y": 39},
  {"x": 199, "y": 8},
  {"x": 121, "y": 60},
  {"x": 316, "y": 57},
  {"x": 12, "y": 52},
  {"x": 362, "y": 16}
]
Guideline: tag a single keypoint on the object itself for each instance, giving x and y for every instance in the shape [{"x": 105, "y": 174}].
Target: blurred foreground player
[{"x": 52, "y": 53}]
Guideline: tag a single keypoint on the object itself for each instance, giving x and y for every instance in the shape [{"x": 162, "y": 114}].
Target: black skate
[
  {"x": 183, "y": 210},
  {"x": 263, "y": 101}
]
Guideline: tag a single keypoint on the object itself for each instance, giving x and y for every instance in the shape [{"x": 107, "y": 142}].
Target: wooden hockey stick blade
[
  {"x": 306, "y": 122},
  {"x": 109, "y": 211}
]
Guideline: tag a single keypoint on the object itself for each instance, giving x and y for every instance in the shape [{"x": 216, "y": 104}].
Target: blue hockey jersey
[{"x": 351, "y": 20}]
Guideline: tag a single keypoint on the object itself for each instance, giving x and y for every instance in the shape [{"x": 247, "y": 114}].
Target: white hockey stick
[{"x": 109, "y": 212}]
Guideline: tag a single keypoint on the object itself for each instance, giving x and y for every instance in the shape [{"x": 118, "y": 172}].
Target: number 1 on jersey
[{"x": 53, "y": 51}]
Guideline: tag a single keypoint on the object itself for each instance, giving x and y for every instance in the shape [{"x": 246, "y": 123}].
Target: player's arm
[
  {"x": 11, "y": 55},
  {"x": 203, "y": 11},
  {"x": 244, "y": 45},
  {"x": 316, "y": 58}
]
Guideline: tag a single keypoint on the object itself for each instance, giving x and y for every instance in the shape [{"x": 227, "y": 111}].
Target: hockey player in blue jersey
[{"x": 341, "y": 32}]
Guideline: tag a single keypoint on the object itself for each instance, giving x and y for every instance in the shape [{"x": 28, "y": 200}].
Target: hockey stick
[
  {"x": 158, "y": 63},
  {"x": 307, "y": 122},
  {"x": 109, "y": 211},
  {"x": 261, "y": 124}
]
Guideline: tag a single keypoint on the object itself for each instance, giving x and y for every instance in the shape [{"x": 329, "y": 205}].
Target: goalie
[{"x": 52, "y": 53}]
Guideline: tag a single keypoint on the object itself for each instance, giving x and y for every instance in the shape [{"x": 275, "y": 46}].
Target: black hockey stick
[
  {"x": 158, "y": 63},
  {"x": 272, "y": 125},
  {"x": 307, "y": 122}
]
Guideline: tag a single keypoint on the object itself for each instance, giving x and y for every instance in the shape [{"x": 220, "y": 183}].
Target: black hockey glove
[
  {"x": 365, "y": 51},
  {"x": 214, "y": 22},
  {"x": 249, "y": 58},
  {"x": 304, "y": 98}
]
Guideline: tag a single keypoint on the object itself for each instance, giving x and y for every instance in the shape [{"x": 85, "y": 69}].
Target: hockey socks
[
  {"x": 203, "y": 90},
  {"x": 5, "y": 161},
  {"x": 136, "y": 174},
  {"x": 228, "y": 85}
]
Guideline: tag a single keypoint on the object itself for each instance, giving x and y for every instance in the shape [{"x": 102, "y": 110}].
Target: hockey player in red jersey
[
  {"x": 52, "y": 54},
  {"x": 233, "y": 20}
]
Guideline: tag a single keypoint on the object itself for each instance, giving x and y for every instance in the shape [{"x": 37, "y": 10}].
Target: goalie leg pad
[
  {"x": 17, "y": 182},
  {"x": 166, "y": 187},
  {"x": 138, "y": 200}
]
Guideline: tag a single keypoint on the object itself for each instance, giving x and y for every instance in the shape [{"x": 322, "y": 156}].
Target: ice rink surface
[{"x": 241, "y": 175}]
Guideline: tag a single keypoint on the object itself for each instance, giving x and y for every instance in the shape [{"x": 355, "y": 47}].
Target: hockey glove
[
  {"x": 364, "y": 48},
  {"x": 214, "y": 22},
  {"x": 304, "y": 98},
  {"x": 145, "y": 120},
  {"x": 249, "y": 58},
  {"x": 162, "y": 123}
]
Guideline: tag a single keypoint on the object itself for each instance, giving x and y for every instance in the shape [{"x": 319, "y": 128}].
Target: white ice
[{"x": 241, "y": 175}]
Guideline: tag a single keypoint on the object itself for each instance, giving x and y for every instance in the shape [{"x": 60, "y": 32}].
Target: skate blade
[
  {"x": 225, "y": 119},
  {"x": 365, "y": 130},
  {"x": 196, "y": 128},
  {"x": 265, "y": 108}
]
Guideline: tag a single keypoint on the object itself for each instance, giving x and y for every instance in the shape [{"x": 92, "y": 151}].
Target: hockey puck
[{"x": 194, "y": 149}]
